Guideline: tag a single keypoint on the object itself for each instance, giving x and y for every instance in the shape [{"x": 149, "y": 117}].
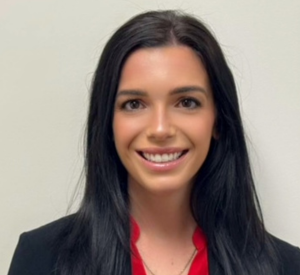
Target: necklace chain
[{"x": 184, "y": 268}]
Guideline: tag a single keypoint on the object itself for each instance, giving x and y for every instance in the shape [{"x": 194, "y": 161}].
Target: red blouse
[{"x": 199, "y": 265}]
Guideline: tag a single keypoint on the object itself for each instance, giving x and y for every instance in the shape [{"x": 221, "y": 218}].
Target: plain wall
[{"x": 48, "y": 53}]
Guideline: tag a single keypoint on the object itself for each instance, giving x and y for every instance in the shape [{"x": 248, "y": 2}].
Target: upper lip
[{"x": 160, "y": 151}]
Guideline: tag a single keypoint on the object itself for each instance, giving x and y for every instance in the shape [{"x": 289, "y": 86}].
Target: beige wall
[{"x": 48, "y": 52}]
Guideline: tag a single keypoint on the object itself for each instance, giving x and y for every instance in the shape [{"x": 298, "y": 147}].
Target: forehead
[{"x": 171, "y": 65}]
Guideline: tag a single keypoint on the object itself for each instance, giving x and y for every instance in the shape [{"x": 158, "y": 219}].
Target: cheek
[
  {"x": 199, "y": 129},
  {"x": 125, "y": 130}
]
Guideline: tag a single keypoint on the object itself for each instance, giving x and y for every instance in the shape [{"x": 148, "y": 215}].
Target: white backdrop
[{"x": 48, "y": 52}]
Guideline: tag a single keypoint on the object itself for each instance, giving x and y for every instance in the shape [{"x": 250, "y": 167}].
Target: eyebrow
[
  {"x": 187, "y": 89},
  {"x": 179, "y": 90},
  {"x": 131, "y": 93}
]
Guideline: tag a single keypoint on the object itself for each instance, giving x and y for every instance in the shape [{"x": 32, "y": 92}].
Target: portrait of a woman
[{"x": 169, "y": 187}]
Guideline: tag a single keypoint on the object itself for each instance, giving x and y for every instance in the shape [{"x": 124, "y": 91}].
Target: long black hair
[{"x": 223, "y": 201}]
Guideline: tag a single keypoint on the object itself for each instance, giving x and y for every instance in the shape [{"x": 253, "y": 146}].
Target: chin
[{"x": 163, "y": 187}]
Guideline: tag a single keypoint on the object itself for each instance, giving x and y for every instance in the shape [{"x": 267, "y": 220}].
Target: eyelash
[
  {"x": 190, "y": 99},
  {"x": 125, "y": 107}
]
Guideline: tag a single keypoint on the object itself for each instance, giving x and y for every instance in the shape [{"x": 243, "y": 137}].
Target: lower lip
[{"x": 163, "y": 166}]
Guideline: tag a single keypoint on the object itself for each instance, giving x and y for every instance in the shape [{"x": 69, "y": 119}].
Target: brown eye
[
  {"x": 132, "y": 105},
  {"x": 189, "y": 103}
]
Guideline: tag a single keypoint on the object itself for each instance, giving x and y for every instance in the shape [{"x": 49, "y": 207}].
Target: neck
[{"x": 165, "y": 215}]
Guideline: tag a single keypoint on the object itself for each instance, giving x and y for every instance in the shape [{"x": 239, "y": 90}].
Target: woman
[{"x": 169, "y": 188}]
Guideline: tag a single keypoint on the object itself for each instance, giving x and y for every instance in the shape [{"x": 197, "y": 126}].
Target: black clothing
[{"x": 36, "y": 255}]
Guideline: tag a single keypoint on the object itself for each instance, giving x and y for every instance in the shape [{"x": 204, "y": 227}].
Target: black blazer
[{"x": 35, "y": 254}]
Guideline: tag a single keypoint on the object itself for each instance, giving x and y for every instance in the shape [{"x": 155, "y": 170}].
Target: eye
[
  {"x": 189, "y": 103},
  {"x": 132, "y": 105}
]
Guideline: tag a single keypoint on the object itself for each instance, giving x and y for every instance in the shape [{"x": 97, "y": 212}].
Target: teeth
[{"x": 162, "y": 158}]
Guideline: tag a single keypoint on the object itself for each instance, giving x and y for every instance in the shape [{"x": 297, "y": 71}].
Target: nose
[{"x": 160, "y": 125}]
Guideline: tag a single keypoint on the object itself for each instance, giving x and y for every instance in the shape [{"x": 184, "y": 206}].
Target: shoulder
[
  {"x": 289, "y": 257},
  {"x": 48, "y": 233},
  {"x": 36, "y": 249}
]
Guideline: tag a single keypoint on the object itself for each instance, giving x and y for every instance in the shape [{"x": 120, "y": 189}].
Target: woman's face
[{"x": 164, "y": 118}]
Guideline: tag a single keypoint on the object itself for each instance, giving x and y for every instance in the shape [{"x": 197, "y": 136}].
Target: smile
[{"x": 162, "y": 158}]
